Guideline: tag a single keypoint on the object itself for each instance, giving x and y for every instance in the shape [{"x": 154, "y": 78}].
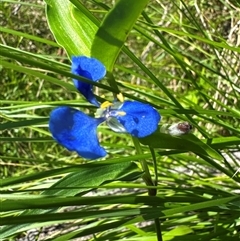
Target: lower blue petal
[
  {"x": 91, "y": 69},
  {"x": 76, "y": 131},
  {"x": 140, "y": 119}
]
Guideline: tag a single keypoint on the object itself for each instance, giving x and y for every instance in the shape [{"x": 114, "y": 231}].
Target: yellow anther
[
  {"x": 105, "y": 104},
  {"x": 120, "y": 97},
  {"x": 122, "y": 113}
]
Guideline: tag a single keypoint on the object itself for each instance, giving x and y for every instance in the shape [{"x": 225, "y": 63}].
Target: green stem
[
  {"x": 156, "y": 220},
  {"x": 112, "y": 82},
  {"x": 146, "y": 176},
  {"x": 148, "y": 180},
  {"x": 154, "y": 165},
  {"x": 158, "y": 229}
]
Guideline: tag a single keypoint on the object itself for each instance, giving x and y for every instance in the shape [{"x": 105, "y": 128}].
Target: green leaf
[
  {"x": 28, "y": 36},
  {"x": 186, "y": 142},
  {"x": 21, "y": 202},
  {"x": 91, "y": 175},
  {"x": 70, "y": 26},
  {"x": 148, "y": 213},
  {"x": 178, "y": 231},
  {"x": 212, "y": 203},
  {"x": 80, "y": 181},
  {"x": 223, "y": 142},
  {"x": 24, "y": 123},
  {"x": 114, "y": 30},
  {"x": 18, "y": 180}
]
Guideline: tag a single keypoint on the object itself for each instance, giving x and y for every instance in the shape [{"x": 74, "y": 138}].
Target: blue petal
[
  {"x": 76, "y": 131},
  {"x": 140, "y": 119},
  {"x": 91, "y": 69}
]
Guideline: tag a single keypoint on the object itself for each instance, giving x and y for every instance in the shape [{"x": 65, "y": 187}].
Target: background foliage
[{"x": 180, "y": 56}]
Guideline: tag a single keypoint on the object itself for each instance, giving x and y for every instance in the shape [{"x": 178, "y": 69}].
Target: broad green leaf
[
  {"x": 187, "y": 142},
  {"x": 71, "y": 28},
  {"x": 87, "y": 175},
  {"x": 93, "y": 175},
  {"x": 114, "y": 30},
  {"x": 18, "y": 180}
]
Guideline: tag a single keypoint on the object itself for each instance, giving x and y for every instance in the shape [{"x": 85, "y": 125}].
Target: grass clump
[{"x": 182, "y": 57}]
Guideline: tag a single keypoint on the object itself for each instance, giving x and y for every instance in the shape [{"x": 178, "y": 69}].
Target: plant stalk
[{"x": 149, "y": 182}]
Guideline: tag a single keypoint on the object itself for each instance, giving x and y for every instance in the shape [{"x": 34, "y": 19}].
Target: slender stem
[
  {"x": 112, "y": 82},
  {"x": 156, "y": 220},
  {"x": 146, "y": 176},
  {"x": 154, "y": 165},
  {"x": 148, "y": 180},
  {"x": 158, "y": 229}
]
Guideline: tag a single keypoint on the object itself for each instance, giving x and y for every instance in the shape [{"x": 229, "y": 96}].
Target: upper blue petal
[
  {"x": 76, "y": 131},
  {"x": 140, "y": 119},
  {"x": 91, "y": 69}
]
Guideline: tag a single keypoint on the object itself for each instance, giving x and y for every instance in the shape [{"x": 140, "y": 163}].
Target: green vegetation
[{"x": 182, "y": 57}]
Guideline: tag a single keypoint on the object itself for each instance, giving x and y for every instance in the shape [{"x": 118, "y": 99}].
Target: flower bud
[{"x": 176, "y": 129}]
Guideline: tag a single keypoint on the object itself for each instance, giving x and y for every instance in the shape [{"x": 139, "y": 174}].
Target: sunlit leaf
[
  {"x": 186, "y": 142},
  {"x": 114, "y": 30},
  {"x": 71, "y": 28},
  {"x": 72, "y": 184}
]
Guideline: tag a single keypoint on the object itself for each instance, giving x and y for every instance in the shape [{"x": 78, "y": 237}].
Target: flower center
[{"x": 108, "y": 109}]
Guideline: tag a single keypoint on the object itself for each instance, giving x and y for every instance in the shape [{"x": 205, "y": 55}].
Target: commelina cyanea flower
[{"x": 77, "y": 131}]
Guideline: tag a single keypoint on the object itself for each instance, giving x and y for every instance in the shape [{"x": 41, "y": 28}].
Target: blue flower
[
  {"x": 133, "y": 117},
  {"x": 78, "y": 132},
  {"x": 89, "y": 68}
]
